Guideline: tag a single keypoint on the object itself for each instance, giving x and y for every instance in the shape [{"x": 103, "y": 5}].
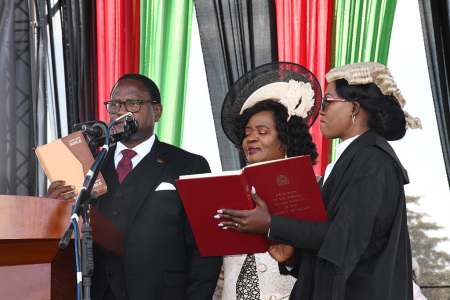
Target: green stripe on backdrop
[
  {"x": 361, "y": 32},
  {"x": 164, "y": 57}
]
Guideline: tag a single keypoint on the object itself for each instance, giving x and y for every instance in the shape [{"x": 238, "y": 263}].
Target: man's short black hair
[{"x": 151, "y": 87}]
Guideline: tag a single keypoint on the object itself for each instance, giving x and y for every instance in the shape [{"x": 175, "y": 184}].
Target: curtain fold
[
  {"x": 361, "y": 32},
  {"x": 56, "y": 100},
  {"x": 236, "y": 36},
  {"x": 436, "y": 32},
  {"x": 117, "y": 45},
  {"x": 77, "y": 65},
  {"x": 304, "y": 37},
  {"x": 17, "y": 134},
  {"x": 44, "y": 95},
  {"x": 164, "y": 57}
]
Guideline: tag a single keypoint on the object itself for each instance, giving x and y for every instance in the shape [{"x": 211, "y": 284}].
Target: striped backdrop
[{"x": 153, "y": 37}]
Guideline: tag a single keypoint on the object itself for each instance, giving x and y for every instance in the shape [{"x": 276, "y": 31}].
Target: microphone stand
[
  {"x": 85, "y": 197},
  {"x": 87, "y": 252},
  {"x": 87, "y": 244}
]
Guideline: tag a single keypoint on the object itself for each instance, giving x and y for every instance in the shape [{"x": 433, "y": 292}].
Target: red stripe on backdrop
[
  {"x": 117, "y": 45},
  {"x": 304, "y": 37}
]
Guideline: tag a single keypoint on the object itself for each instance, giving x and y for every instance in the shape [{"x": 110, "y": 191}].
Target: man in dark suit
[{"x": 161, "y": 259}]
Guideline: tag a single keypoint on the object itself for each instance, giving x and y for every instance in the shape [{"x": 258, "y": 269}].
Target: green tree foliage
[{"x": 434, "y": 264}]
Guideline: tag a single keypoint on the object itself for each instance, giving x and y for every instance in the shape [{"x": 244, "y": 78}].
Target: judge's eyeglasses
[{"x": 326, "y": 100}]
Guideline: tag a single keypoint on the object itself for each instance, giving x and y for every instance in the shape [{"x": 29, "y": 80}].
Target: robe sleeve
[
  {"x": 298, "y": 233},
  {"x": 368, "y": 205}
]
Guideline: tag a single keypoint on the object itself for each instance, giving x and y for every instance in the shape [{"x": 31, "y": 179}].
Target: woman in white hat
[{"x": 267, "y": 114}]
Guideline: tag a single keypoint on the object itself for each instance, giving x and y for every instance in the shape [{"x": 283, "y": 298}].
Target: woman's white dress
[{"x": 272, "y": 284}]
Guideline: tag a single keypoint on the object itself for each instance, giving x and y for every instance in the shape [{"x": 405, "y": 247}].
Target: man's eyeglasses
[
  {"x": 326, "y": 100},
  {"x": 132, "y": 106}
]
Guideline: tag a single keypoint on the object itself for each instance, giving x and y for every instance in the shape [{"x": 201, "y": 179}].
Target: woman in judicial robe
[{"x": 363, "y": 250}]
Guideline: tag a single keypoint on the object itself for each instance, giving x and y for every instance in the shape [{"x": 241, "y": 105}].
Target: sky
[{"x": 419, "y": 151}]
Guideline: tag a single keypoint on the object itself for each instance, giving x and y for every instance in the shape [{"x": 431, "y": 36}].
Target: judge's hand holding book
[{"x": 256, "y": 221}]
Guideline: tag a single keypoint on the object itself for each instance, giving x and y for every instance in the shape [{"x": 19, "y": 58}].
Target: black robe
[{"x": 363, "y": 251}]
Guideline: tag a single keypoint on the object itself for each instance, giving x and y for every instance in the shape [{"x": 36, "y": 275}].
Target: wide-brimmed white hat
[{"x": 288, "y": 83}]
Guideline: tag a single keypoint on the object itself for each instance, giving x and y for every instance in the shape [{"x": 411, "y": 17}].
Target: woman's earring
[{"x": 353, "y": 119}]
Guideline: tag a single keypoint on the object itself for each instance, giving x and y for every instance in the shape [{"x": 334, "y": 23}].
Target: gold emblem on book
[{"x": 282, "y": 180}]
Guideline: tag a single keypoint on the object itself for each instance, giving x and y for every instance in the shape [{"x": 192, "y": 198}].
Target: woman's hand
[
  {"x": 284, "y": 254},
  {"x": 256, "y": 221},
  {"x": 58, "y": 190}
]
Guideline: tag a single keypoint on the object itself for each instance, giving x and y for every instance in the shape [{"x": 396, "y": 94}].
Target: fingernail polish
[
  {"x": 220, "y": 224},
  {"x": 220, "y": 211},
  {"x": 253, "y": 190},
  {"x": 225, "y": 228},
  {"x": 216, "y": 217}
]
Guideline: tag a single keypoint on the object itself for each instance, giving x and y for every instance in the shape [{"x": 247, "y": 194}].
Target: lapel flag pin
[{"x": 160, "y": 160}]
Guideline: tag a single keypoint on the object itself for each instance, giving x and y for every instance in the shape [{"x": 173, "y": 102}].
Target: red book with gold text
[{"x": 288, "y": 186}]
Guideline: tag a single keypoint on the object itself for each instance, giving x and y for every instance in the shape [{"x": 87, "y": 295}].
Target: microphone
[
  {"x": 92, "y": 131},
  {"x": 131, "y": 124},
  {"x": 95, "y": 133},
  {"x": 97, "y": 130}
]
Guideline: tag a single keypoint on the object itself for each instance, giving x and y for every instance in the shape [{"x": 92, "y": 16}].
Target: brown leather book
[{"x": 69, "y": 159}]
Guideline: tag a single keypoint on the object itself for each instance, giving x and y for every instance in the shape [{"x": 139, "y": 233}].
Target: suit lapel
[
  {"x": 320, "y": 183},
  {"x": 150, "y": 169}
]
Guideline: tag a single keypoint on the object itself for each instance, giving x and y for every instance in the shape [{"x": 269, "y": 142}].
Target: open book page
[
  {"x": 233, "y": 172},
  {"x": 215, "y": 174}
]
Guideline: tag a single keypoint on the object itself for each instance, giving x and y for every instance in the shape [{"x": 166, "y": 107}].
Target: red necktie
[{"x": 125, "y": 165}]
